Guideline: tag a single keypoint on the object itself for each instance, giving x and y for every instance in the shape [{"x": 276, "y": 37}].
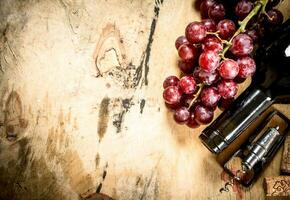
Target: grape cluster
[{"x": 215, "y": 56}]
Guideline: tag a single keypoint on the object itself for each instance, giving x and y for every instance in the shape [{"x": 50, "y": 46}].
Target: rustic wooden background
[{"x": 81, "y": 104}]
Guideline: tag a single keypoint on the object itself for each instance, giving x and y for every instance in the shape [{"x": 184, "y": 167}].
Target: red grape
[
  {"x": 187, "y": 53},
  {"x": 272, "y": 3},
  {"x": 226, "y": 28},
  {"x": 210, "y": 97},
  {"x": 172, "y": 95},
  {"x": 217, "y": 12},
  {"x": 191, "y": 121},
  {"x": 187, "y": 84},
  {"x": 247, "y": 67},
  {"x": 243, "y": 8},
  {"x": 209, "y": 24},
  {"x": 227, "y": 89},
  {"x": 253, "y": 34},
  {"x": 180, "y": 41},
  {"x": 195, "y": 32},
  {"x": 261, "y": 29},
  {"x": 205, "y": 6},
  {"x": 181, "y": 115},
  {"x": 203, "y": 115},
  {"x": 275, "y": 17},
  {"x": 172, "y": 107},
  {"x": 207, "y": 78},
  {"x": 212, "y": 43},
  {"x": 209, "y": 61},
  {"x": 170, "y": 81},
  {"x": 225, "y": 103},
  {"x": 228, "y": 69},
  {"x": 242, "y": 45},
  {"x": 186, "y": 67}
]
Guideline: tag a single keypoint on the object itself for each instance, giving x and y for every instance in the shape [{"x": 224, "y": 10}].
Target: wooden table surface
[{"x": 82, "y": 109}]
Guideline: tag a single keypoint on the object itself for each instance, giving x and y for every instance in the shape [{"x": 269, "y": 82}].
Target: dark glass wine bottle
[{"x": 270, "y": 84}]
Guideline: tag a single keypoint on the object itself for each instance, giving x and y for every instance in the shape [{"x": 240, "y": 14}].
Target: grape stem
[
  {"x": 260, "y": 4},
  {"x": 196, "y": 95},
  {"x": 217, "y": 35}
]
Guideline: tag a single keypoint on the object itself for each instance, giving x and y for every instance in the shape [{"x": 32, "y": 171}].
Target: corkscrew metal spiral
[{"x": 230, "y": 183}]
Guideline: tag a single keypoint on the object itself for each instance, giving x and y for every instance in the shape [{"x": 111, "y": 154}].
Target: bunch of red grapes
[{"x": 215, "y": 55}]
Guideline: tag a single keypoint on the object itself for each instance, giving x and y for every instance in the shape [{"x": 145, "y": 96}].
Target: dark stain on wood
[
  {"x": 60, "y": 151},
  {"x": 127, "y": 103},
  {"x": 10, "y": 133},
  {"x": 146, "y": 56},
  {"x": 15, "y": 173},
  {"x": 98, "y": 190},
  {"x": 142, "y": 105},
  {"x": 39, "y": 175},
  {"x": 138, "y": 72},
  {"x": 138, "y": 180},
  {"x": 74, "y": 172},
  {"x": 104, "y": 174},
  {"x": 14, "y": 123},
  {"x": 103, "y": 117},
  {"x": 97, "y": 160},
  {"x": 118, "y": 118}
]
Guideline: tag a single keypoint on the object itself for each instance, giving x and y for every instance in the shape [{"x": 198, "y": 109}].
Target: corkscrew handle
[{"x": 232, "y": 122}]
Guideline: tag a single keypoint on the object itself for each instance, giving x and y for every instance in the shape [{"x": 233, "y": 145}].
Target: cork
[
  {"x": 285, "y": 162},
  {"x": 277, "y": 186}
]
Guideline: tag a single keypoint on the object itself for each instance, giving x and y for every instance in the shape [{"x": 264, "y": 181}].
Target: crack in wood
[
  {"x": 98, "y": 190},
  {"x": 142, "y": 105},
  {"x": 104, "y": 56},
  {"x": 67, "y": 12},
  {"x": 146, "y": 55},
  {"x": 148, "y": 183}
]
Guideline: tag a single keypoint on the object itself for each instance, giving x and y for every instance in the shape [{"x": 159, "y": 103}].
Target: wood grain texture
[{"x": 82, "y": 110}]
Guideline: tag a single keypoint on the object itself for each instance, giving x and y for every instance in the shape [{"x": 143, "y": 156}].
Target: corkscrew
[
  {"x": 230, "y": 183},
  {"x": 256, "y": 152}
]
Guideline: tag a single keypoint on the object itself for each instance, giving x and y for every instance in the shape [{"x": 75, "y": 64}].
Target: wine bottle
[{"x": 270, "y": 84}]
